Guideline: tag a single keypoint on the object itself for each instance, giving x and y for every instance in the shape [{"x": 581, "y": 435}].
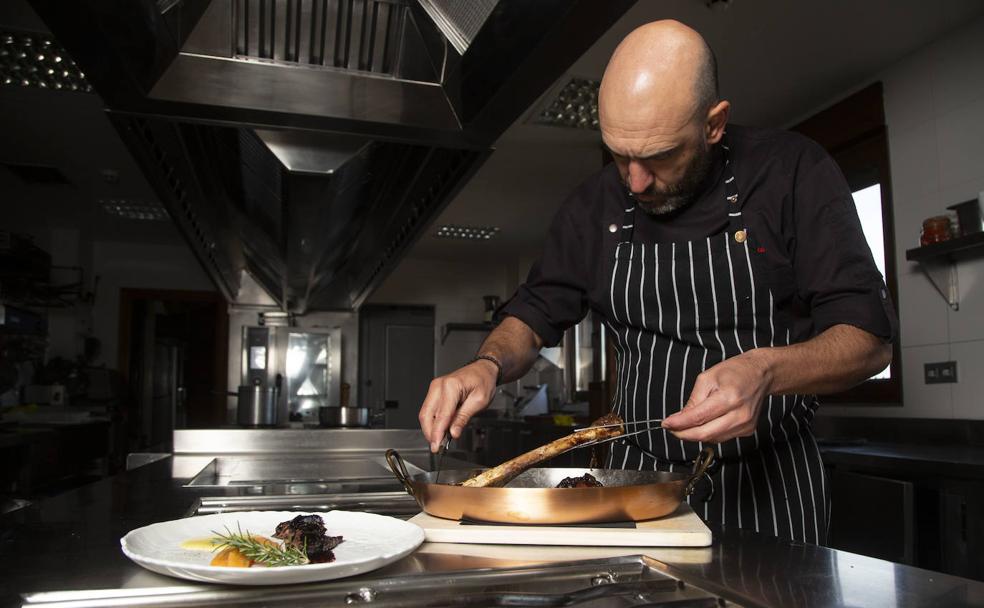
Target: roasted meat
[
  {"x": 606, "y": 427},
  {"x": 299, "y": 527},
  {"x": 319, "y": 550},
  {"x": 584, "y": 481},
  {"x": 308, "y": 532}
]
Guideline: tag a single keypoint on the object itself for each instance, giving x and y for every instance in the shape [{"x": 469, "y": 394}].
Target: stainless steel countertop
[
  {"x": 283, "y": 441},
  {"x": 933, "y": 460},
  {"x": 71, "y": 542}
]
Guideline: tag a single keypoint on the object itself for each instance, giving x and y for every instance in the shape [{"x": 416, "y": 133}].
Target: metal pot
[
  {"x": 533, "y": 498},
  {"x": 335, "y": 416},
  {"x": 257, "y": 405}
]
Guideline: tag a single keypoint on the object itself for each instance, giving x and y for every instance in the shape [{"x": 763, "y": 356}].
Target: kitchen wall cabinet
[{"x": 878, "y": 518}]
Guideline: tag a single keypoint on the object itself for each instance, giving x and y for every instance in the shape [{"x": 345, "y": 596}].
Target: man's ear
[{"x": 717, "y": 119}]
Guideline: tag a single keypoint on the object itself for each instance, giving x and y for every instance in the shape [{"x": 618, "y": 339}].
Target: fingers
[
  {"x": 428, "y": 412},
  {"x": 452, "y": 394},
  {"x": 697, "y": 413},
  {"x": 716, "y": 431},
  {"x": 723, "y": 404},
  {"x": 441, "y": 410},
  {"x": 704, "y": 385},
  {"x": 474, "y": 403},
  {"x": 715, "y": 420}
]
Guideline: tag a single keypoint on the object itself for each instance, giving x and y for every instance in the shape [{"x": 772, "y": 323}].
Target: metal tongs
[
  {"x": 654, "y": 424},
  {"x": 440, "y": 457}
]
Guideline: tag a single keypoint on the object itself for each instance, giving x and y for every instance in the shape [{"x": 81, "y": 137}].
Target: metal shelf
[
  {"x": 450, "y": 327},
  {"x": 938, "y": 262}
]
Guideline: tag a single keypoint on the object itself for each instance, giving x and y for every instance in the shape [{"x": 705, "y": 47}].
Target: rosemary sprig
[{"x": 262, "y": 553}]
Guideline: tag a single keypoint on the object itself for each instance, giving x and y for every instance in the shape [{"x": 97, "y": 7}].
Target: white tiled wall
[
  {"x": 968, "y": 400},
  {"x": 934, "y": 106}
]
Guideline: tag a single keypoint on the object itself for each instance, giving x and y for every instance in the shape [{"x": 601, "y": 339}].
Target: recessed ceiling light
[
  {"x": 576, "y": 105},
  {"x": 474, "y": 233},
  {"x": 29, "y": 59},
  {"x": 134, "y": 209}
]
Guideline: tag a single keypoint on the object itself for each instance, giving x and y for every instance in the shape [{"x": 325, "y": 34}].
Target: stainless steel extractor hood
[{"x": 310, "y": 142}]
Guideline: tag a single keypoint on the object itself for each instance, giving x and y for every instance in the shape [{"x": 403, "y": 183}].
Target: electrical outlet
[{"x": 940, "y": 373}]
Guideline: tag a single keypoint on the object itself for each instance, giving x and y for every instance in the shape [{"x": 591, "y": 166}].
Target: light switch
[{"x": 941, "y": 372}]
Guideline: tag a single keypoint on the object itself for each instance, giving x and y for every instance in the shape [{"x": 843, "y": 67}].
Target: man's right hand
[{"x": 453, "y": 399}]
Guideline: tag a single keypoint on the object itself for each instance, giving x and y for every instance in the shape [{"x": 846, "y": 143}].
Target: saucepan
[
  {"x": 533, "y": 498},
  {"x": 335, "y": 416}
]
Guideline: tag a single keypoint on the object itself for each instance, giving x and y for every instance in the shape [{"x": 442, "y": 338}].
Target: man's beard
[{"x": 683, "y": 192}]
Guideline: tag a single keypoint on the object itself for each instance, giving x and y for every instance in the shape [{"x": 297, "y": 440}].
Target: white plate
[{"x": 370, "y": 541}]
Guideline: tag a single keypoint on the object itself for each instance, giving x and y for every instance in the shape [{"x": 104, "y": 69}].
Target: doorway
[
  {"x": 173, "y": 361},
  {"x": 396, "y": 360}
]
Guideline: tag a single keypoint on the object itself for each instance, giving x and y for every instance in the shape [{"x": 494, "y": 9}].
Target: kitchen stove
[
  {"x": 395, "y": 504},
  {"x": 273, "y": 475}
]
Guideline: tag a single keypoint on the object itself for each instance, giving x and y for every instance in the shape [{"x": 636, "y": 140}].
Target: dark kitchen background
[{"x": 331, "y": 223}]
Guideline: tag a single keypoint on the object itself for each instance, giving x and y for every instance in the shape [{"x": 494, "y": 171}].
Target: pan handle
[
  {"x": 700, "y": 469},
  {"x": 399, "y": 469}
]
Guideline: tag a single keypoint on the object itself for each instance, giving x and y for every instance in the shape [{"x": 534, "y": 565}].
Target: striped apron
[{"x": 677, "y": 309}]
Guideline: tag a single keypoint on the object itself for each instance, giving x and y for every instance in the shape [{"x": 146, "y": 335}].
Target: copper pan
[{"x": 533, "y": 498}]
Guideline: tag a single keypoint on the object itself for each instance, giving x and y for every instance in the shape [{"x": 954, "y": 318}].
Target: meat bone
[{"x": 605, "y": 428}]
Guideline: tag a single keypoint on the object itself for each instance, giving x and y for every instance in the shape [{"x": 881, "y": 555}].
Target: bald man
[{"x": 729, "y": 267}]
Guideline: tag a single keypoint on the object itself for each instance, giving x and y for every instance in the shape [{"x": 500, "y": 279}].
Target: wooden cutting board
[{"x": 682, "y": 529}]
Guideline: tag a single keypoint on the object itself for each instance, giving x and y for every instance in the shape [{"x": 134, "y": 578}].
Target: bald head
[
  {"x": 659, "y": 112},
  {"x": 663, "y": 72}
]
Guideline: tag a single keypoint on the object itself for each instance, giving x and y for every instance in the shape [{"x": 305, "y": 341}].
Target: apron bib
[{"x": 676, "y": 309}]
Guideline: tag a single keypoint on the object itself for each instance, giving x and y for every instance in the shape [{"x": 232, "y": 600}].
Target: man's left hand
[{"x": 725, "y": 402}]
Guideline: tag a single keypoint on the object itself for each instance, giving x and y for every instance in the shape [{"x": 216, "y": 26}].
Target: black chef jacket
[{"x": 802, "y": 225}]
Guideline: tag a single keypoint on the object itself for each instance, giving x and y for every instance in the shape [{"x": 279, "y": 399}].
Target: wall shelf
[
  {"x": 938, "y": 262},
  {"x": 450, "y": 327},
  {"x": 960, "y": 244}
]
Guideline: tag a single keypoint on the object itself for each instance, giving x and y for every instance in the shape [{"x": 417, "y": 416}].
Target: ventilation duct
[{"x": 309, "y": 143}]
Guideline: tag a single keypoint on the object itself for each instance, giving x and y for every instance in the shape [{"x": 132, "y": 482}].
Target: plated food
[
  {"x": 244, "y": 550},
  {"x": 307, "y": 533},
  {"x": 289, "y": 547},
  {"x": 303, "y": 540}
]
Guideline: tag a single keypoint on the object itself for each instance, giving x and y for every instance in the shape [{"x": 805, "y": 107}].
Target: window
[
  {"x": 868, "y": 201},
  {"x": 869, "y": 204},
  {"x": 583, "y": 355}
]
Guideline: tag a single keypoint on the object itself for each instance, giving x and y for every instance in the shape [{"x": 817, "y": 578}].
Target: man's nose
[{"x": 639, "y": 178}]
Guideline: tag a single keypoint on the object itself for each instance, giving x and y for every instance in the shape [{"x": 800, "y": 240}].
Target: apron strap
[
  {"x": 736, "y": 227},
  {"x": 628, "y": 222}
]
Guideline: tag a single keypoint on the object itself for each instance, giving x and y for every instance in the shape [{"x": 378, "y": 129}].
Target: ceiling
[
  {"x": 778, "y": 62},
  {"x": 70, "y": 132},
  {"x": 517, "y": 53}
]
